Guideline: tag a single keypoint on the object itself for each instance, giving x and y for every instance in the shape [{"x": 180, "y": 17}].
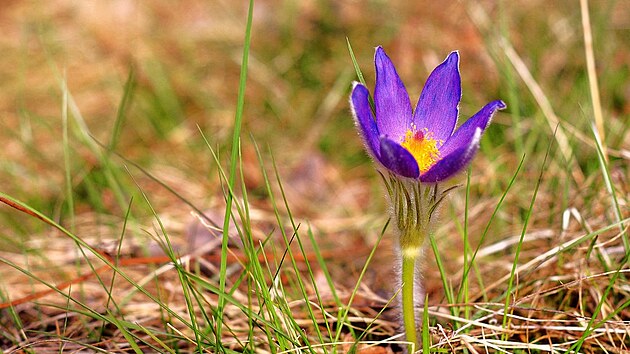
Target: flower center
[{"x": 423, "y": 147}]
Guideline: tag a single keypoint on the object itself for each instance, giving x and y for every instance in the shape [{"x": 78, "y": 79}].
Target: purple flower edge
[{"x": 383, "y": 135}]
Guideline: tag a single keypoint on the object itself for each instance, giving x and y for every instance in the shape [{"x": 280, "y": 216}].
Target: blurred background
[{"x": 147, "y": 78}]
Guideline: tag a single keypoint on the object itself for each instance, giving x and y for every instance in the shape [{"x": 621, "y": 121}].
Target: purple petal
[
  {"x": 454, "y": 162},
  {"x": 364, "y": 119},
  {"x": 397, "y": 159},
  {"x": 437, "y": 107},
  {"x": 464, "y": 134},
  {"x": 393, "y": 108}
]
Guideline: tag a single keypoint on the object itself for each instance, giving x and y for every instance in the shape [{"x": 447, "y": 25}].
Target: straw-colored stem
[{"x": 592, "y": 76}]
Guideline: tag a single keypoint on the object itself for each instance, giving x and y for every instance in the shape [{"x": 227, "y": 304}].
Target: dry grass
[{"x": 186, "y": 58}]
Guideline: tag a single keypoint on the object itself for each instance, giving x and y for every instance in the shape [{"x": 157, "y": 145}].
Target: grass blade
[
  {"x": 511, "y": 280},
  {"x": 238, "y": 119}
]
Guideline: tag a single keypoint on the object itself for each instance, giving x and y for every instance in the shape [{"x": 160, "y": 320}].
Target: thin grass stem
[
  {"x": 592, "y": 76},
  {"x": 238, "y": 119},
  {"x": 517, "y": 253}
]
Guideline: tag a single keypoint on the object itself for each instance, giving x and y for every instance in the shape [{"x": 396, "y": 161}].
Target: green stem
[
  {"x": 413, "y": 206},
  {"x": 409, "y": 256}
]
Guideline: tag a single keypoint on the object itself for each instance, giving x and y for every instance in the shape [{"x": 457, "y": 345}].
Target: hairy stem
[
  {"x": 413, "y": 206},
  {"x": 409, "y": 256}
]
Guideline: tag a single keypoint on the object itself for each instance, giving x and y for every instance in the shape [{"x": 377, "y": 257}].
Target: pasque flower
[
  {"x": 418, "y": 149},
  {"x": 420, "y": 144}
]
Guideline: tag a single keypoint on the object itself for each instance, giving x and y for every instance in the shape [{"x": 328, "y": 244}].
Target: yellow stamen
[{"x": 423, "y": 147}]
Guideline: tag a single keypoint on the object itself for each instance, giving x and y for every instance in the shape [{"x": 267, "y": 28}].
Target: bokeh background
[{"x": 178, "y": 64}]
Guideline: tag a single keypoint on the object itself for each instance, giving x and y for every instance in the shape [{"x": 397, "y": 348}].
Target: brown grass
[{"x": 296, "y": 108}]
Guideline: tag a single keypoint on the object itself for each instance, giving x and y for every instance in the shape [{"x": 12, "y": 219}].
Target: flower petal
[
  {"x": 481, "y": 120},
  {"x": 364, "y": 119},
  {"x": 397, "y": 159},
  {"x": 454, "y": 162},
  {"x": 437, "y": 107},
  {"x": 393, "y": 108}
]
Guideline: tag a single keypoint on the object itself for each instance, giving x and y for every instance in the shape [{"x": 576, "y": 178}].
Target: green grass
[{"x": 118, "y": 124}]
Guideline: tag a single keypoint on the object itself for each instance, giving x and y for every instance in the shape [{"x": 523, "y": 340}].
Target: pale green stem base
[
  {"x": 411, "y": 242},
  {"x": 408, "y": 304}
]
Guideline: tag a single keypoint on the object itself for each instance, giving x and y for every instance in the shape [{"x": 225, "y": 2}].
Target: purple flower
[{"x": 420, "y": 144}]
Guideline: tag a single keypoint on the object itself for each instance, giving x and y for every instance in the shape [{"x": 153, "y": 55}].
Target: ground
[{"x": 117, "y": 123}]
